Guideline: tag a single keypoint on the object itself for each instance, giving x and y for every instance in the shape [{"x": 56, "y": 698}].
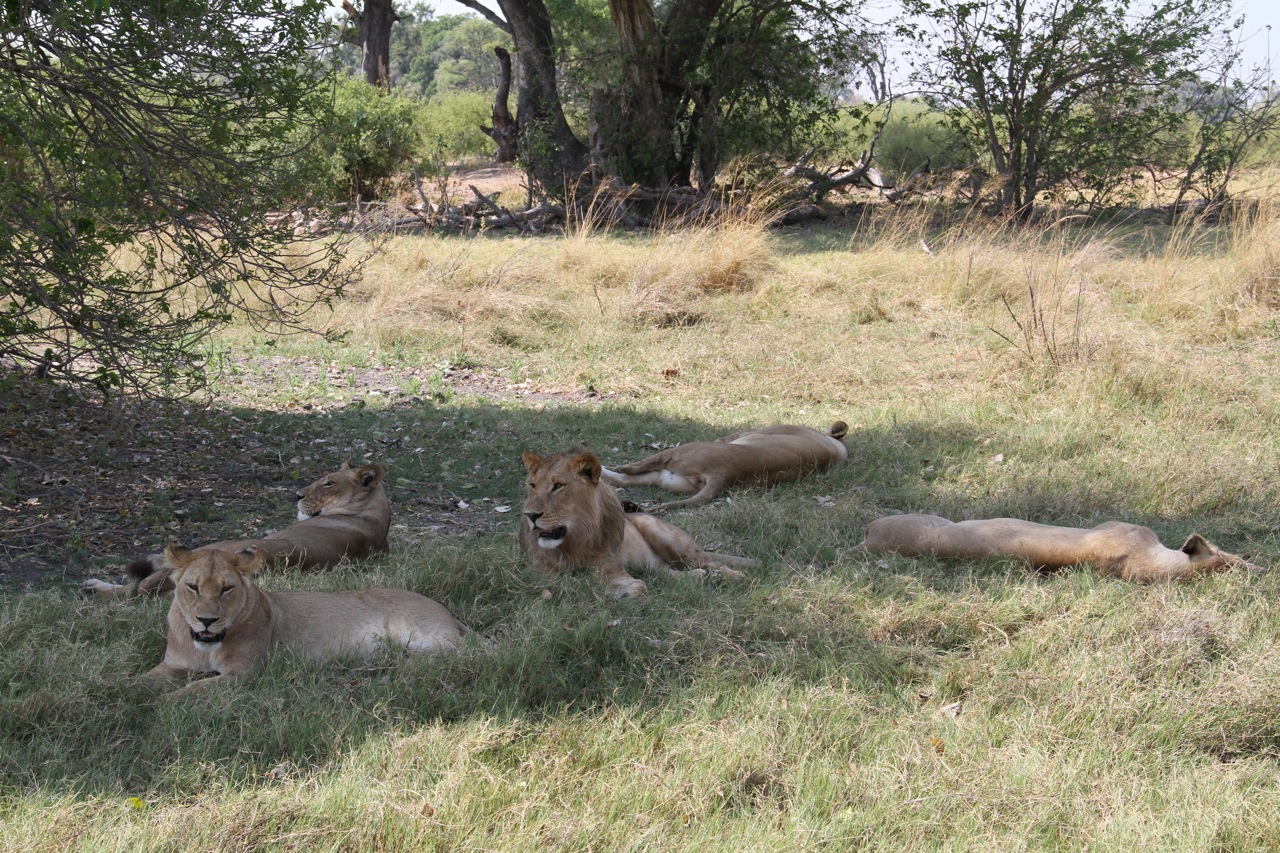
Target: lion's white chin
[
  {"x": 303, "y": 515},
  {"x": 549, "y": 543}
]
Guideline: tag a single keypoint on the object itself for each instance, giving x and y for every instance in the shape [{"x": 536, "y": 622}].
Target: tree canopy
[
  {"x": 1050, "y": 89},
  {"x": 144, "y": 145}
]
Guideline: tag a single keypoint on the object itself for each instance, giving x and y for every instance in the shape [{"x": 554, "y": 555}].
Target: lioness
[
  {"x": 343, "y": 514},
  {"x": 220, "y": 621},
  {"x": 704, "y": 469},
  {"x": 1126, "y": 551},
  {"x": 572, "y": 519}
]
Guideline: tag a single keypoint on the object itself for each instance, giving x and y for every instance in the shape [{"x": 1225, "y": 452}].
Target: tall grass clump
[
  {"x": 1256, "y": 249},
  {"x": 684, "y": 266}
]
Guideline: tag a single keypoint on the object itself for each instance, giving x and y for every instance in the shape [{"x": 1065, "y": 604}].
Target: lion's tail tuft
[{"x": 140, "y": 568}]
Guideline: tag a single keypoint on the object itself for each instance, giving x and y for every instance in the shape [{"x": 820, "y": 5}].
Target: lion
[
  {"x": 221, "y": 622},
  {"x": 343, "y": 514},
  {"x": 1126, "y": 551},
  {"x": 705, "y": 469},
  {"x": 573, "y": 519}
]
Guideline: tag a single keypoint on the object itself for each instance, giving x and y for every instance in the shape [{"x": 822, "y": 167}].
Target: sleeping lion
[
  {"x": 1126, "y": 551},
  {"x": 705, "y": 469}
]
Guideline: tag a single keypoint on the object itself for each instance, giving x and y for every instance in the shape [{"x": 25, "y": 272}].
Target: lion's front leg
[
  {"x": 166, "y": 674},
  {"x": 619, "y": 583},
  {"x": 665, "y": 545},
  {"x": 202, "y": 684}
]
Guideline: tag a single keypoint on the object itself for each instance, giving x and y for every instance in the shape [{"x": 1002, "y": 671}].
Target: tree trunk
[
  {"x": 640, "y": 151},
  {"x": 374, "y": 21},
  {"x": 555, "y": 157},
  {"x": 503, "y": 132}
]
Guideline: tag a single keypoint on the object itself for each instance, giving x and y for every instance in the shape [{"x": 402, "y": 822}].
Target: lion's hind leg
[
  {"x": 711, "y": 489},
  {"x": 661, "y": 546}
]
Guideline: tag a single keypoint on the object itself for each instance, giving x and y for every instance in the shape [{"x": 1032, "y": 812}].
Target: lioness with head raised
[
  {"x": 343, "y": 514},
  {"x": 1126, "y": 551},
  {"x": 705, "y": 469},
  {"x": 573, "y": 519},
  {"x": 221, "y": 622}
]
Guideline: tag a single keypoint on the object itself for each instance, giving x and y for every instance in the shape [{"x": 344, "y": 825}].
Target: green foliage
[
  {"x": 465, "y": 58},
  {"x": 910, "y": 133},
  {"x": 369, "y": 137},
  {"x": 1051, "y": 90},
  {"x": 452, "y": 123},
  {"x": 139, "y": 171},
  {"x": 769, "y": 81},
  {"x": 415, "y": 40}
]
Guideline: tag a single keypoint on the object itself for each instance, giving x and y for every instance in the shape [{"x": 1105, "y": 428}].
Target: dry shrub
[{"x": 1039, "y": 281}]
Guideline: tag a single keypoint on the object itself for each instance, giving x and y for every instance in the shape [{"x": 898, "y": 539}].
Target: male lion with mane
[
  {"x": 705, "y": 469},
  {"x": 1126, "y": 551},
  {"x": 572, "y": 519},
  {"x": 343, "y": 514},
  {"x": 221, "y": 622}
]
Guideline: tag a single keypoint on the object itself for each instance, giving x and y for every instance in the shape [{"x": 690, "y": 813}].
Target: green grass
[{"x": 832, "y": 701}]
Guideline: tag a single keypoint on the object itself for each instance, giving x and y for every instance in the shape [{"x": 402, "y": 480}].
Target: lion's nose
[
  {"x": 533, "y": 517},
  {"x": 301, "y": 496},
  {"x": 207, "y": 621}
]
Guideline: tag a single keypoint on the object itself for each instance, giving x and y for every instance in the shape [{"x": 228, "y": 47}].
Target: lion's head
[
  {"x": 347, "y": 491},
  {"x": 570, "y": 516},
  {"x": 212, "y": 589}
]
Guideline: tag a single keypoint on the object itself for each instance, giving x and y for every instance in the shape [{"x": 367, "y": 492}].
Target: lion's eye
[
  {"x": 227, "y": 589},
  {"x": 328, "y": 485},
  {"x": 193, "y": 587},
  {"x": 555, "y": 487}
]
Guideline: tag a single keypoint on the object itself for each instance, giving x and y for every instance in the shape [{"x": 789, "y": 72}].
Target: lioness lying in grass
[
  {"x": 342, "y": 514},
  {"x": 1126, "y": 551},
  {"x": 221, "y": 622},
  {"x": 705, "y": 469}
]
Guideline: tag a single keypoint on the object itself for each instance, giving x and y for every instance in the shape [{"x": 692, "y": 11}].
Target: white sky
[{"x": 1261, "y": 32}]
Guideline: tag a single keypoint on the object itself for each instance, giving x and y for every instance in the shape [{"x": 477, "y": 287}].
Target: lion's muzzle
[
  {"x": 208, "y": 637},
  {"x": 547, "y": 538}
]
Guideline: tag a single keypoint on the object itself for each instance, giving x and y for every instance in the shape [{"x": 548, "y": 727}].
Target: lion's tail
[
  {"x": 839, "y": 429},
  {"x": 140, "y": 568}
]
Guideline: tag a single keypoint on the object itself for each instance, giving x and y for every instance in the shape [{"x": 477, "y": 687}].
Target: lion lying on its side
[
  {"x": 221, "y": 622},
  {"x": 343, "y": 514},
  {"x": 704, "y": 469},
  {"x": 572, "y": 519},
  {"x": 1126, "y": 551}
]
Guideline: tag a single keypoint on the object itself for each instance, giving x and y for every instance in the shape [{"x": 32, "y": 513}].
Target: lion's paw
[
  {"x": 723, "y": 573},
  {"x": 94, "y": 587},
  {"x": 627, "y": 588}
]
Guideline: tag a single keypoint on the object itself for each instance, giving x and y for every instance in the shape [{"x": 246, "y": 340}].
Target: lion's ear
[
  {"x": 1197, "y": 546},
  {"x": 369, "y": 474},
  {"x": 178, "y": 556},
  {"x": 587, "y": 465},
  {"x": 248, "y": 561},
  {"x": 531, "y": 461}
]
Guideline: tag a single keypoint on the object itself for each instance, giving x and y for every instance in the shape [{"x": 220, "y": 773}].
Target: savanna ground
[{"x": 1068, "y": 374}]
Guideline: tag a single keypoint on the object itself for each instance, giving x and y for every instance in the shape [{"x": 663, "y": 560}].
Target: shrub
[
  {"x": 452, "y": 125},
  {"x": 369, "y": 136},
  {"x": 912, "y": 134}
]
